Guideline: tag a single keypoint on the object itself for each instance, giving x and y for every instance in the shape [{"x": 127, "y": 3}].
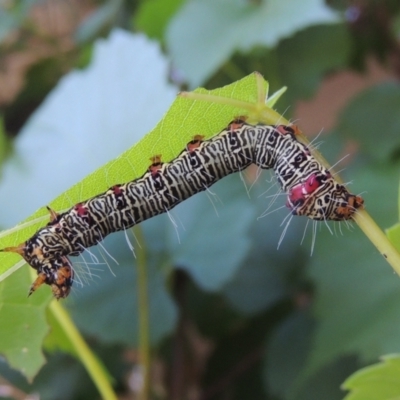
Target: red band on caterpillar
[{"x": 312, "y": 191}]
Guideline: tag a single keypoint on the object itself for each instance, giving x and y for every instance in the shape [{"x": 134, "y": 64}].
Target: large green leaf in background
[{"x": 205, "y": 33}]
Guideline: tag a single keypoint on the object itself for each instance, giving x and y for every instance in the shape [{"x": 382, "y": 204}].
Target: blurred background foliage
[{"x": 231, "y": 316}]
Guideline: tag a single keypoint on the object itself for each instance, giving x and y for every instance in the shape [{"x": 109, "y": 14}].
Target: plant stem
[
  {"x": 92, "y": 364},
  {"x": 143, "y": 311}
]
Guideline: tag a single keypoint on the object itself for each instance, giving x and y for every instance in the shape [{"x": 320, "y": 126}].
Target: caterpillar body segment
[{"x": 312, "y": 191}]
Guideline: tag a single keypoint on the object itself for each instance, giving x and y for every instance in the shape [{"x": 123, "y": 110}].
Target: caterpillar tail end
[{"x": 20, "y": 249}]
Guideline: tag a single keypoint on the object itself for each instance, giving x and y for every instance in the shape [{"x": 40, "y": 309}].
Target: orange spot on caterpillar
[
  {"x": 288, "y": 130},
  {"x": 195, "y": 143},
  {"x": 296, "y": 129},
  {"x": 353, "y": 203},
  {"x": 237, "y": 123},
  {"x": 156, "y": 164},
  {"x": 156, "y": 159}
]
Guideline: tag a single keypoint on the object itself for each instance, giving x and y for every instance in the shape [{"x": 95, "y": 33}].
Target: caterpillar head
[
  {"x": 321, "y": 198},
  {"x": 58, "y": 273}
]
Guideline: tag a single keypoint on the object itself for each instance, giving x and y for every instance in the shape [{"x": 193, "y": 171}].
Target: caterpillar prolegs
[{"x": 311, "y": 189}]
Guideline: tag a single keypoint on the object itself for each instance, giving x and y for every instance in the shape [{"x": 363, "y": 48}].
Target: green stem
[
  {"x": 93, "y": 366},
  {"x": 143, "y": 311}
]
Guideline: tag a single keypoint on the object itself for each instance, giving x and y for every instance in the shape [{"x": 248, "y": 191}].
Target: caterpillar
[{"x": 312, "y": 191}]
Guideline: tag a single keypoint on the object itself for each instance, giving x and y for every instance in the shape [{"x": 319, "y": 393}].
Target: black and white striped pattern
[{"x": 312, "y": 192}]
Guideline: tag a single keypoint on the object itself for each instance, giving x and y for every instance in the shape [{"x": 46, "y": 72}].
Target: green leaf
[
  {"x": 373, "y": 120},
  {"x": 376, "y": 382},
  {"x": 204, "y": 33},
  {"x": 23, "y": 323}
]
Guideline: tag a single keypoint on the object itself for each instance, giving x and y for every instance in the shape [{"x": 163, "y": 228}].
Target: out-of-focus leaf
[
  {"x": 358, "y": 298},
  {"x": 204, "y": 33},
  {"x": 377, "y": 382},
  {"x": 263, "y": 276},
  {"x": 286, "y": 353},
  {"x": 236, "y": 362},
  {"x": 217, "y": 324},
  {"x": 213, "y": 258},
  {"x": 72, "y": 383},
  {"x": 23, "y": 323},
  {"x": 153, "y": 16},
  {"x": 57, "y": 339},
  {"x": 323, "y": 49},
  {"x": 372, "y": 118},
  {"x": 110, "y": 302}
]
